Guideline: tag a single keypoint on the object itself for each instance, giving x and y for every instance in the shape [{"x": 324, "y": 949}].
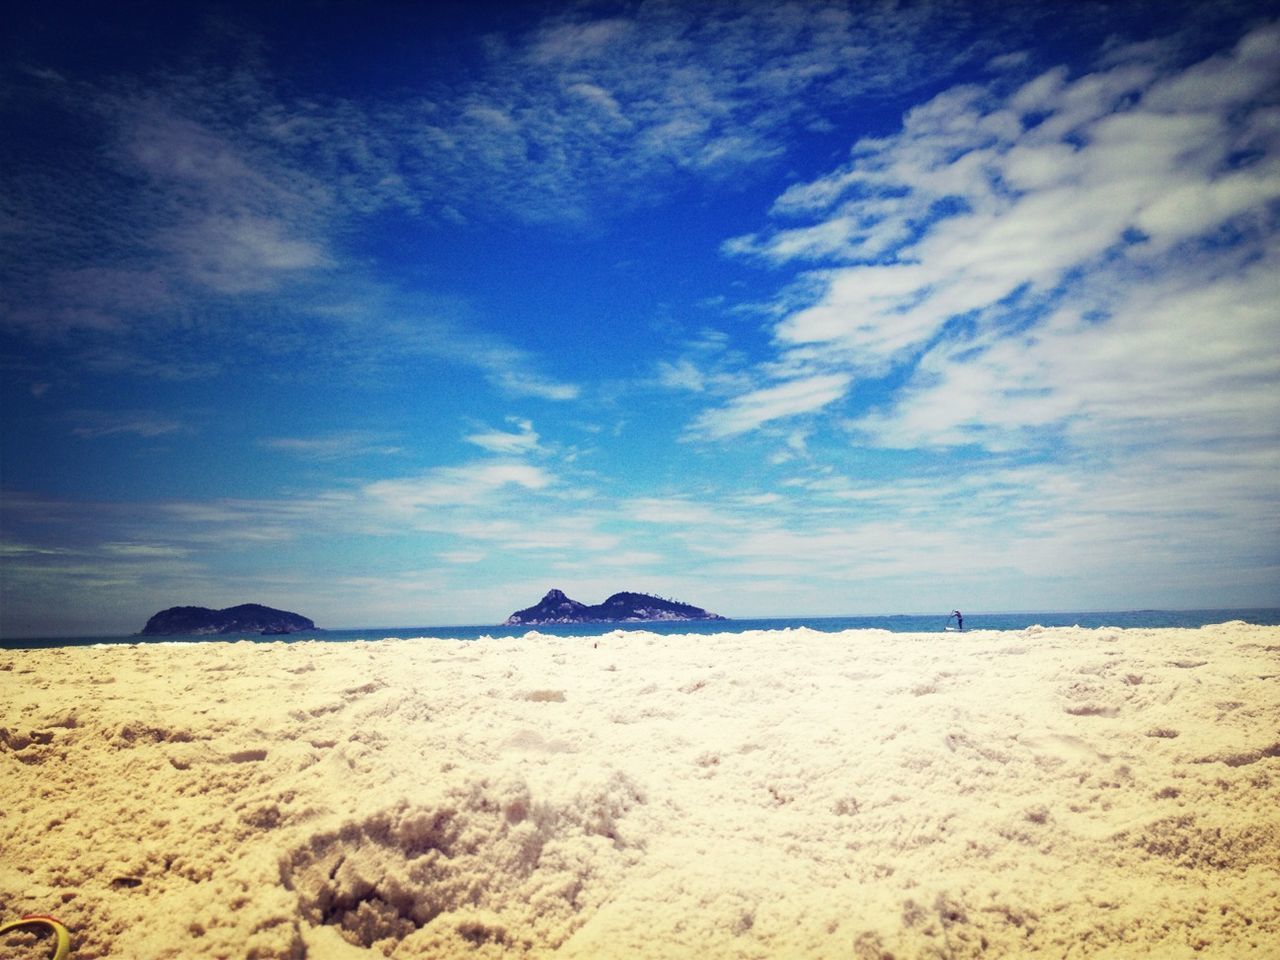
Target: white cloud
[
  {"x": 506, "y": 503},
  {"x": 230, "y": 522},
  {"x": 462, "y": 557},
  {"x": 523, "y": 383},
  {"x": 787, "y": 399},
  {"x": 681, "y": 375},
  {"x": 333, "y": 446},
  {"x": 1178, "y": 361},
  {"x": 242, "y": 253},
  {"x": 599, "y": 97},
  {"x": 569, "y": 42},
  {"x": 582, "y": 113},
  {"x": 676, "y": 511},
  {"x": 223, "y": 205},
  {"x": 522, "y": 440},
  {"x": 211, "y": 194},
  {"x": 146, "y": 551},
  {"x": 954, "y": 238},
  {"x": 92, "y": 424},
  {"x": 569, "y": 537},
  {"x": 10, "y": 549},
  {"x": 224, "y": 185},
  {"x": 508, "y": 368},
  {"x": 456, "y": 486}
]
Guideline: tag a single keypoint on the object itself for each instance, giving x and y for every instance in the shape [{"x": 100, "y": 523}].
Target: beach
[{"x": 1063, "y": 792}]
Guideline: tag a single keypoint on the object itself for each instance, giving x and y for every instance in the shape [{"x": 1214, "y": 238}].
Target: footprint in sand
[{"x": 468, "y": 870}]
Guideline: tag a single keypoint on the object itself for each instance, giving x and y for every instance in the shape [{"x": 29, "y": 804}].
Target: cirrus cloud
[{"x": 1059, "y": 253}]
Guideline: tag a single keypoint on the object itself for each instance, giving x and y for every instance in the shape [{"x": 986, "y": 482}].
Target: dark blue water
[{"x": 898, "y": 623}]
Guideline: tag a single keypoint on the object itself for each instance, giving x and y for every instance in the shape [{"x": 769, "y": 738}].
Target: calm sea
[{"x": 897, "y": 623}]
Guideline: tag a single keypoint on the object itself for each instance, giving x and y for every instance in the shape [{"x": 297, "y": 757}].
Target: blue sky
[{"x": 402, "y": 316}]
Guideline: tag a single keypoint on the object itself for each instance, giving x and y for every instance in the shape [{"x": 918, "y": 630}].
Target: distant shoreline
[{"x": 893, "y": 623}]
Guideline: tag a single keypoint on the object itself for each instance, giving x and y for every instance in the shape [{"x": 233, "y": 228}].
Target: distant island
[
  {"x": 203, "y": 622},
  {"x": 555, "y": 607}
]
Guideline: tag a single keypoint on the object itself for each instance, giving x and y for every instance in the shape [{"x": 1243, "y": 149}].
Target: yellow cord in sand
[{"x": 62, "y": 933}]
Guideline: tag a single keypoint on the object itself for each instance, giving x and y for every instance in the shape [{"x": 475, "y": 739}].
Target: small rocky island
[
  {"x": 555, "y": 607},
  {"x": 203, "y": 622}
]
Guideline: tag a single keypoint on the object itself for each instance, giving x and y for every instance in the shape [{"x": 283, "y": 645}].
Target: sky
[{"x": 399, "y": 315}]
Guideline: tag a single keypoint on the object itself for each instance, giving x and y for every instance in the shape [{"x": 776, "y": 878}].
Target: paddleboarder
[{"x": 959, "y": 619}]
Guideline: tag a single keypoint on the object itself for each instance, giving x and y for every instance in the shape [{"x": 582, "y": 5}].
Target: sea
[{"x": 894, "y": 623}]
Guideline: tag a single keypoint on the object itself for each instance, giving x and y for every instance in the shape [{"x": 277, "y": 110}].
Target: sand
[{"x": 1064, "y": 792}]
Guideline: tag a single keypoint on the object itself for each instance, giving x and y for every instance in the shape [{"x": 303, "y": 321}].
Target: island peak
[
  {"x": 204, "y": 622},
  {"x": 624, "y": 607}
]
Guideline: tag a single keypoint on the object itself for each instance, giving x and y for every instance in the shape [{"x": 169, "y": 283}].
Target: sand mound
[{"x": 1063, "y": 792}]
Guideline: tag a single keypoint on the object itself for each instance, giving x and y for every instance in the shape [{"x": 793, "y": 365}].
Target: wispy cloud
[
  {"x": 210, "y": 199},
  {"x": 87, "y": 582},
  {"x": 1066, "y": 532},
  {"x": 562, "y": 120},
  {"x": 333, "y": 446},
  {"x": 1026, "y": 253},
  {"x": 681, "y": 374},
  {"x": 456, "y": 486},
  {"x": 521, "y": 440},
  {"x": 92, "y": 424},
  {"x": 502, "y": 506},
  {"x": 1178, "y": 360},
  {"x": 369, "y": 327},
  {"x": 234, "y": 217},
  {"x": 182, "y": 204},
  {"x": 789, "y": 398},
  {"x": 146, "y": 551},
  {"x": 218, "y": 188}
]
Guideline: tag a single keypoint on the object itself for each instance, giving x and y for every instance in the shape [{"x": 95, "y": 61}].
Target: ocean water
[{"x": 896, "y": 623}]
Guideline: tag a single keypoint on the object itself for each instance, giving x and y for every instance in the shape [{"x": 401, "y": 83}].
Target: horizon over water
[{"x": 893, "y": 623}]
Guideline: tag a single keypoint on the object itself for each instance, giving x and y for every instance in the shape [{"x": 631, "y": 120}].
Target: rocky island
[
  {"x": 624, "y": 607},
  {"x": 203, "y": 622}
]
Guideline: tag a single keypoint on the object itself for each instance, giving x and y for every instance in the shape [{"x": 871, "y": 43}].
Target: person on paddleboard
[{"x": 959, "y": 619}]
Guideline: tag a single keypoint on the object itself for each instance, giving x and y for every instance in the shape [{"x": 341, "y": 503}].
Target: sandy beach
[{"x": 1057, "y": 792}]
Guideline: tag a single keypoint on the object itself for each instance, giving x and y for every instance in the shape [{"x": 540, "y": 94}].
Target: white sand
[{"x": 1072, "y": 792}]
